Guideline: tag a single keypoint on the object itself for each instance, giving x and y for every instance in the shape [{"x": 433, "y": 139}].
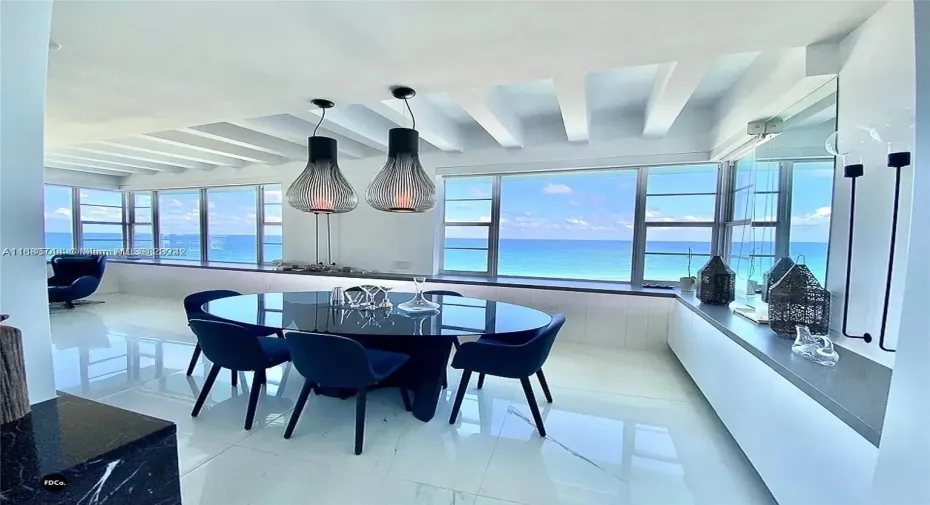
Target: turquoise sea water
[{"x": 576, "y": 259}]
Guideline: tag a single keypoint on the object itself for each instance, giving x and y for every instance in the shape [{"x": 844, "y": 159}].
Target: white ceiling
[{"x": 144, "y": 87}]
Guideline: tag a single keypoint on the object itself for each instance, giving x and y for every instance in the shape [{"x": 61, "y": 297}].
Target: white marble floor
[{"x": 626, "y": 427}]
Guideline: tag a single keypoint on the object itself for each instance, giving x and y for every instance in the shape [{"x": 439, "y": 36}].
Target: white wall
[
  {"x": 806, "y": 142},
  {"x": 24, "y": 36},
  {"x": 904, "y": 454},
  {"x": 631, "y": 322},
  {"x": 877, "y": 75}
]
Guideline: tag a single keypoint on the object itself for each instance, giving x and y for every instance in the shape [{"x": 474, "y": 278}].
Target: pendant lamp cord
[
  {"x": 319, "y": 123},
  {"x": 412, "y": 117}
]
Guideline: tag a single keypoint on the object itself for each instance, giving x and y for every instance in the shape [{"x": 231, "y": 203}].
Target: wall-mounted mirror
[{"x": 781, "y": 191}]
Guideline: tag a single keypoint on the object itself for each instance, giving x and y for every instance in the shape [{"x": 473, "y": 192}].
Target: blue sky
[
  {"x": 231, "y": 210},
  {"x": 599, "y": 205}
]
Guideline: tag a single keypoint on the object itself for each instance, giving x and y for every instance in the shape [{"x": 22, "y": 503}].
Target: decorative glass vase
[
  {"x": 419, "y": 303},
  {"x": 818, "y": 349}
]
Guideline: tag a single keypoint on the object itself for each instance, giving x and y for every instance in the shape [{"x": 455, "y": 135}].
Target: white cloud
[
  {"x": 575, "y": 203},
  {"x": 578, "y": 222},
  {"x": 557, "y": 189},
  {"x": 61, "y": 214},
  {"x": 817, "y": 217}
]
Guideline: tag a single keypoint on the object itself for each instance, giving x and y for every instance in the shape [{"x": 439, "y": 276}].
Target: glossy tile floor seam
[{"x": 625, "y": 428}]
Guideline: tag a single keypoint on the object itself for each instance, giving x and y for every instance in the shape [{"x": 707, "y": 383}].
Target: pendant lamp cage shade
[
  {"x": 402, "y": 185},
  {"x": 321, "y": 188}
]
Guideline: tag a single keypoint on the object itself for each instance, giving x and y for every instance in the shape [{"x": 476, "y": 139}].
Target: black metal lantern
[
  {"x": 774, "y": 274},
  {"x": 402, "y": 185},
  {"x": 716, "y": 283},
  {"x": 799, "y": 299},
  {"x": 321, "y": 188}
]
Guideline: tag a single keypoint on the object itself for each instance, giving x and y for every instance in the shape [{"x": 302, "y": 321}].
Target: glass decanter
[
  {"x": 818, "y": 349},
  {"x": 419, "y": 303}
]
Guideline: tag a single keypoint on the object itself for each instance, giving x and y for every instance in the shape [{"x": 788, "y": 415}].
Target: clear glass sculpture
[
  {"x": 818, "y": 349},
  {"x": 419, "y": 303}
]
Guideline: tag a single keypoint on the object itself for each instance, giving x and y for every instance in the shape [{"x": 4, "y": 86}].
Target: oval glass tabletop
[{"x": 310, "y": 311}]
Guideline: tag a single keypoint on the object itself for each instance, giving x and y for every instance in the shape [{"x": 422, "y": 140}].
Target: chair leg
[
  {"x": 406, "y": 397},
  {"x": 480, "y": 381},
  {"x": 235, "y": 378},
  {"x": 301, "y": 401},
  {"x": 205, "y": 392},
  {"x": 360, "y": 403},
  {"x": 253, "y": 397},
  {"x": 531, "y": 399},
  {"x": 445, "y": 381},
  {"x": 194, "y": 358},
  {"x": 459, "y": 395},
  {"x": 544, "y": 384},
  {"x": 279, "y": 333}
]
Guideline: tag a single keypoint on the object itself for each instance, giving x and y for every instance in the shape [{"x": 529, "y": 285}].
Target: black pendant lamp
[
  {"x": 402, "y": 185},
  {"x": 321, "y": 188}
]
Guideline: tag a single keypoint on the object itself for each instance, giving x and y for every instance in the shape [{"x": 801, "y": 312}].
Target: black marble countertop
[
  {"x": 476, "y": 280},
  {"x": 68, "y": 431},
  {"x": 855, "y": 390}
]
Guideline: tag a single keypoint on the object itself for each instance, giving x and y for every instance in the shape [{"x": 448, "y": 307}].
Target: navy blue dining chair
[
  {"x": 504, "y": 358},
  {"x": 237, "y": 348},
  {"x": 339, "y": 362},
  {"x": 193, "y": 304}
]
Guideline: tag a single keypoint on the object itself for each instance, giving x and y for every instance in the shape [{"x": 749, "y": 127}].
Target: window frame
[
  {"x": 493, "y": 226},
  {"x": 641, "y": 225},
  {"x": 639, "y": 230},
  {"x": 78, "y": 220},
  {"x": 261, "y": 222},
  {"x": 133, "y": 220}
]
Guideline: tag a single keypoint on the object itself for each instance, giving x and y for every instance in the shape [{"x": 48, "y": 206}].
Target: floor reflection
[{"x": 624, "y": 428}]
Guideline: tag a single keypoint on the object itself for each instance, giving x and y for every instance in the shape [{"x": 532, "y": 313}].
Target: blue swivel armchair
[
  {"x": 192, "y": 306},
  {"x": 504, "y": 358},
  {"x": 339, "y": 362},
  {"x": 235, "y": 347},
  {"x": 76, "y": 276}
]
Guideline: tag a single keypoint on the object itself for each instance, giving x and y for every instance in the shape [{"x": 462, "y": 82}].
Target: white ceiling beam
[
  {"x": 296, "y": 130},
  {"x": 190, "y": 138},
  {"x": 81, "y": 156},
  {"x": 149, "y": 145},
  {"x": 571, "y": 91},
  {"x": 673, "y": 86},
  {"x": 58, "y": 160},
  {"x": 115, "y": 152},
  {"x": 350, "y": 122},
  {"x": 490, "y": 110},
  {"x": 819, "y": 112},
  {"x": 434, "y": 126},
  {"x": 245, "y": 137},
  {"x": 773, "y": 84},
  {"x": 82, "y": 168}
]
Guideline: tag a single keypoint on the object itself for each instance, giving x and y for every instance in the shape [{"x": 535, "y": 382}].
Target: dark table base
[{"x": 423, "y": 374}]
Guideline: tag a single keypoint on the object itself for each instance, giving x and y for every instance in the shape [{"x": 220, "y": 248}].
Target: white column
[
  {"x": 904, "y": 454},
  {"x": 24, "y": 37}
]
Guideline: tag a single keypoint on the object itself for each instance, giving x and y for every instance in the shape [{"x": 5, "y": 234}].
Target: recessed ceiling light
[{"x": 53, "y": 46}]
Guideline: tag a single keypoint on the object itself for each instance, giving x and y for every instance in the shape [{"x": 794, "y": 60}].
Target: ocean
[{"x": 608, "y": 260}]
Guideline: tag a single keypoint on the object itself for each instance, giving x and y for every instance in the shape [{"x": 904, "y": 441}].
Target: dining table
[{"x": 426, "y": 337}]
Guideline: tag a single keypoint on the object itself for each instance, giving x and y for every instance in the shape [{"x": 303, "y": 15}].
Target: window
[
  {"x": 271, "y": 207},
  {"x": 752, "y": 225},
  {"x": 467, "y": 224},
  {"x": 59, "y": 226},
  {"x": 576, "y": 225},
  {"x": 141, "y": 233},
  {"x": 179, "y": 222},
  {"x": 681, "y": 205},
  {"x": 101, "y": 217},
  {"x": 232, "y": 234},
  {"x": 811, "y": 200}
]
